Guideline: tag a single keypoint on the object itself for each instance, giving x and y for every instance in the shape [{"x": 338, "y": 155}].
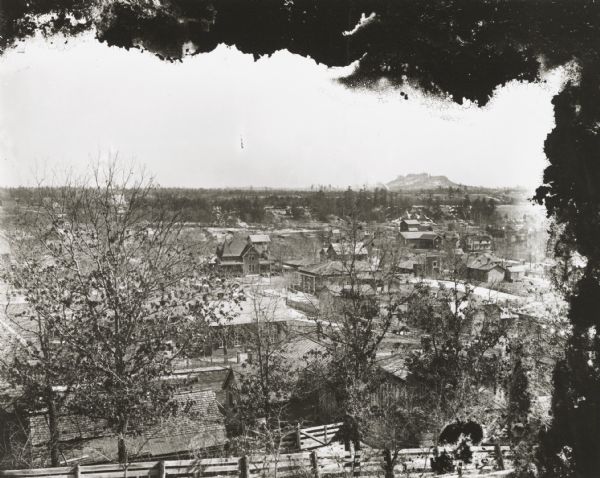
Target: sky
[{"x": 224, "y": 120}]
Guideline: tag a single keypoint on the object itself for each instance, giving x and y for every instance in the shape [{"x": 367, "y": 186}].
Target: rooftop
[
  {"x": 259, "y": 238},
  {"x": 331, "y": 268}
]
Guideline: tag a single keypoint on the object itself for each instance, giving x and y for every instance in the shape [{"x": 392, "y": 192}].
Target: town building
[
  {"x": 421, "y": 239},
  {"x": 477, "y": 243},
  {"x": 346, "y": 251},
  {"x": 485, "y": 268},
  {"x": 237, "y": 256},
  {"x": 413, "y": 225},
  {"x": 311, "y": 279},
  {"x": 261, "y": 242}
]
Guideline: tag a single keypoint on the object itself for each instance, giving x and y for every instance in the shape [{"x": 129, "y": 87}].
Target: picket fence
[{"x": 316, "y": 464}]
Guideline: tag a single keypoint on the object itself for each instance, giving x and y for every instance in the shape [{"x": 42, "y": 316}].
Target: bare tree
[
  {"x": 353, "y": 329},
  {"x": 268, "y": 382},
  {"x": 456, "y": 370},
  {"x": 118, "y": 293}
]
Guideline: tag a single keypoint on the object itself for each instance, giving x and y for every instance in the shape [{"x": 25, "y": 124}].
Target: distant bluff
[{"x": 415, "y": 182}]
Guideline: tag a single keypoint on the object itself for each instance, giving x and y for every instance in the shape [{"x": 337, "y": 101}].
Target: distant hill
[{"x": 414, "y": 182}]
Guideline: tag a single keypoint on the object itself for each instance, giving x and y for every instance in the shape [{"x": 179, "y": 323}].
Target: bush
[{"x": 442, "y": 463}]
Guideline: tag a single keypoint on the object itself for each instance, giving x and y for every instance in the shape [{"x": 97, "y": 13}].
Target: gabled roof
[
  {"x": 410, "y": 235},
  {"x": 394, "y": 365},
  {"x": 344, "y": 248},
  {"x": 332, "y": 268},
  {"x": 297, "y": 349},
  {"x": 259, "y": 238},
  {"x": 295, "y": 263},
  {"x": 233, "y": 247},
  {"x": 429, "y": 235},
  {"x": 484, "y": 262},
  {"x": 249, "y": 248},
  {"x": 480, "y": 236},
  {"x": 489, "y": 267},
  {"x": 204, "y": 378},
  {"x": 408, "y": 264},
  {"x": 362, "y": 289}
]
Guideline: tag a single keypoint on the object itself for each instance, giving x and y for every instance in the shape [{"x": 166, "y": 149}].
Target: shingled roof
[
  {"x": 233, "y": 247},
  {"x": 331, "y": 268},
  {"x": 394, "y": 365},
  {"x": 484, "y": 262},
  {"x": 259, "y": 238}
]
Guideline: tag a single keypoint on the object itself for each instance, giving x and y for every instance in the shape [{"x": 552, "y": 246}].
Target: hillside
[{"x": 413, "y": 182}]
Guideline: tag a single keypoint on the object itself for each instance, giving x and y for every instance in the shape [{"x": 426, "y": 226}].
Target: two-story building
[
  {"x": 237, "y": 256},
  {"x": 421, "y": 239}
]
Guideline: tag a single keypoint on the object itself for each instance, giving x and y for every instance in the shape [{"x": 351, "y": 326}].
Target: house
[
  {"x": 345, "y": 251},
  {"x": 238, "y": 256},
  {"x": 311, "y": 279},
  {"x": 334, "y": 300},
  {"x": 451, "y": 239},
  {"x": 289, "y": 268},
  {"x": 261, "y": 242},
  {"x": 393, "y": 385},
  {"x": 411, "y": 225},
  {"x": 421, "y": 239},
  {"x": 485, "y": 268},
  {"x": 220, "y": 380},
  {"x": 406, "y": 266},
  {"x": 428, "y": 264},
  {"x": 515, "y": 273},
  {"x": 477, "y": 243},
  {"x": 414, "y": 225},
  {"x": 490, "y": 316}
]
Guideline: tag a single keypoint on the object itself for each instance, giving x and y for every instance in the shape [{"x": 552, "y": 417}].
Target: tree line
[{"x": 227, "y": 207}]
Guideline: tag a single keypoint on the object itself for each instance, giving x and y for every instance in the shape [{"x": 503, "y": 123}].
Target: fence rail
[
  {"x": 315, "y": 464},
  {"x": 310, "y": 438}
]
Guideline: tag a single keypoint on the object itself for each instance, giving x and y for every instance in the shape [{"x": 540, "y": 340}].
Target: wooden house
[{"x": 243, "y": 257}]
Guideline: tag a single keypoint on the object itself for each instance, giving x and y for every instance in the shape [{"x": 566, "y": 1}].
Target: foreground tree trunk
[
  {"x": 53, "y": 443},
  {"x": 122, "y": 445}
]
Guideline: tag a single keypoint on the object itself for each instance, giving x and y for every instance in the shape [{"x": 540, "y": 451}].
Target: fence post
[
  {"x": 388, "y": 465},
  {"x": 325, "y": 433},
  {"x": 244, "y": 467},
  {"x": 77, "y": 471},
  {"x": 314, "y": 463},
  {"x": 499, "y": 458},
  {"x": 298, "y": 437},
  {"x": 162, "y": 471},
  {"x": 356, "y": 464}
]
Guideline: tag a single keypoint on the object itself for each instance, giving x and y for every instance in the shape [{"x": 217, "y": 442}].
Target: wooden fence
[
  {"x": 310, "y": 438},
  {"x": 315, "y": 464}
]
